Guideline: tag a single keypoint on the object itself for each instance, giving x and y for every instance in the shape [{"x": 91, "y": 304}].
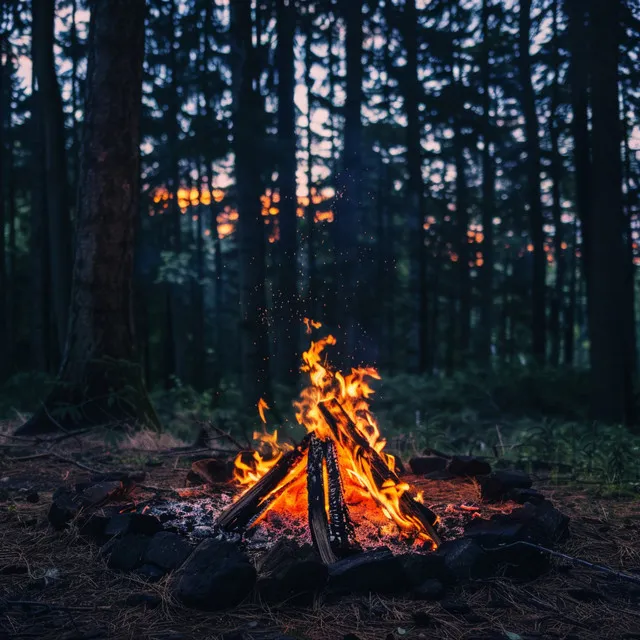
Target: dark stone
[
  {"x": 32, "y": 496},
  {"x": 128, "y": 478},
  {"x": 495, "y": 486},
  {"x": 124, "y": 523},
  {"x": 101, "y": 493},
  {"x": 151, "y": 572},
  {"x": 419, "y": 567},
  {"x": 378, "y": 571},
  {"x": 212, "y": 470},
  {"x": 431, "y": 589},
  {"x": 544, "y": 524},
  {"x": 215, "y": 576},
  {"x": 426, "y": 464},
  {"x": 63, "y": 508},
  {"x": 494, "y": 532},
  {"x": 524, "y": 495},
  {"x": 148, "y": 600},
  {"x": 468, "y": 466},
  {"x": 127, "y": 553},
  {"x": 289, "y": 570},
  {"x": 423, "y": 619},
  {"x": 464, "y": 559},
  {"x": 168, "y": 550},
  {"x": 439, "y": 475},
  {"x": 94, "y": 526}
]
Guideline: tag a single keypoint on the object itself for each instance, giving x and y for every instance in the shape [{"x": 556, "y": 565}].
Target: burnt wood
[
  {"x": 317, "y": 501},
  {"x": 341, "y": 530},
  {"x": 248, "y": 508},
  {"x": 350, "y": 436}
]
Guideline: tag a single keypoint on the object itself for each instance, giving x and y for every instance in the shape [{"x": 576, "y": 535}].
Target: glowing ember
[{"x": 334, "y": 408}]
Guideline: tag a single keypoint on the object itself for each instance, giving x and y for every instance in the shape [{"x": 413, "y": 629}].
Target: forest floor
[{"x": 81, "y": 598}]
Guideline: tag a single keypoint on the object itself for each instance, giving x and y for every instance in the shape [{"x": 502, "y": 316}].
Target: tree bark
[
  {"x": 55, "y": 158},
  {"x": 538, "y": 311},
  {"x": 99, "y": 381},
  {"x": 488, "y": 198},
  {"x": 286, "y": 303},
  {"x": 246, "y": 142},
  {"x": 612, "y": 396},
  {"x": 412, "y": 90}
]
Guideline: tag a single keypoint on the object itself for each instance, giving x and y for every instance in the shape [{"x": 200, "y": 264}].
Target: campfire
[{"x": 339, "y": 464}]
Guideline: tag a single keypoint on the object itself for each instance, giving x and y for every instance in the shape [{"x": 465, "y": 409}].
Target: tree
[
  {"x": 53, "y": 146},
  {"x": 246, "y": 126},
  {"x": 286, "y": 294},
  {"x": 612, "y": 394},
  {"x": 99, "y": 381},
  {"x": 538, "y": 310}
]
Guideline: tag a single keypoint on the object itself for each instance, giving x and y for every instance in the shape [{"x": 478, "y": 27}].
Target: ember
[{"x": 340, "y": 464}]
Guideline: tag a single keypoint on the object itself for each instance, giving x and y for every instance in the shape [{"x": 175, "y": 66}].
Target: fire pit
[{"x": 331, "y": 513}]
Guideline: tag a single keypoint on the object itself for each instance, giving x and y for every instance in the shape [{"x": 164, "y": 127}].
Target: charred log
[
  {"x": 351, "y": 437},
  {"x": 317, "y": 501},
  {"x": 263, "y": 493}
]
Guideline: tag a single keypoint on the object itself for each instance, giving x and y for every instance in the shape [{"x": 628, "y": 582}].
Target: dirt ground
[{"x": 55, "y": 584}]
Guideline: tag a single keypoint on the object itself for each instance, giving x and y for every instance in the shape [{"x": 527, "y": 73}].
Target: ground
[{"x": 78, "y": 597}]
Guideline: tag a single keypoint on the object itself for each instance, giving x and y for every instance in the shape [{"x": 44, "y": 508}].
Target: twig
[
  {"x": 46, "y": 605},
  {"x": 53, "y": 454},
  {"x": 590, "y": 565},
  {"x": 228, "y": 436}
]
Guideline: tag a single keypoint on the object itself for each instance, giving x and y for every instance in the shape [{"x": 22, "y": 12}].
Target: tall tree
[
  {"x": 99, "y": 381},
  {"x": 412, "y": 90},
  {"x": 286, "y": 295},
  {"x": 488, "y": 193},
  {"x": 247, "y": 121},
  {"x": 612, "y": 393},
  {"x": 538, "y": 308},
  {"x": 53, "y": 146}
]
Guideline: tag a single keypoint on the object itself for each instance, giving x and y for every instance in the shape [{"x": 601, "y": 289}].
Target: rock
[
  {"x": 94, "y": 527},
  {"x": 215, "y": 576},
  {"x": 521, "y": 496},
  {"x": 426, "y": 464},
  {"x": 455, "y": 607},
  {"x": 290, "y": 570},
  {"x": 63, "y": 508},
  {"x": 423, "y": 619},
  {"x": 496, "y": 531},
  {"x": 372, "y": 571},
  {"x": 32, "y": 496},
  {"x": 543, "y": 523},
  {"x": 439, "y": 475},
  {"x": 124, "y": 523},
  {"x": 211, "y": 470},
  {"x": 101, "y": 493},
  {"x": 127, "y": 553},
  {"x": 147, "y": 600},
  {"x": 464, "y": 559},
  {"x": 419, "y": 567},
  {"x": 497, "y": 485},
  {"x": 167, "y": 550},
  {"x": 151, "y": 572},
  {"x": 430, "y": 589},
  {"x": 468, "y": 466}
]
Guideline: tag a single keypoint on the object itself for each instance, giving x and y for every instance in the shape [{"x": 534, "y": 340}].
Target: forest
[{"x": 247, "y": 244}]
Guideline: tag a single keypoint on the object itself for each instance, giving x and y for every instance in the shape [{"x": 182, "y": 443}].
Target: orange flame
[{"x": 352, "y": 392}]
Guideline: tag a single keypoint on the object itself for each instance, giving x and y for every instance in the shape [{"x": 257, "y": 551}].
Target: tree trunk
[
  {"x": 557, "y": 301},
  {"x": 286, "y": 304},
  {"x": 53, "y": 148},
  {"x": 538, "y": 312},
  {"x": 99, "y": 381},
  {"x": 247, "y": 135},
  {"x": 348, "y": 206},
  {"x": 611, "y": 397},
  {"x": 488, "y": 199},
  {"x": 412, "y": 90}
]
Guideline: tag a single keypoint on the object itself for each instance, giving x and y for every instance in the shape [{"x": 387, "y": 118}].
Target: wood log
[
  {"x": 317, "y": 500},
  {"x": 341, "y": 530},
  {"x": 252, "y": 504},
  {"x": 350, "y": 436}
]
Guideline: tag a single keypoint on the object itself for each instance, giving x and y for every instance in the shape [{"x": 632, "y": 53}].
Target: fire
[{"x": 335, "y": 407}]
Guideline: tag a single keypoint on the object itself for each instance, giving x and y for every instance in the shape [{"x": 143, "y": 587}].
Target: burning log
[
  {"x": 421, "y": 516},
  {"x": 341, "y": 529},
  {"x": 317, "y": 501},
  {"x": 254, "y": 502}
]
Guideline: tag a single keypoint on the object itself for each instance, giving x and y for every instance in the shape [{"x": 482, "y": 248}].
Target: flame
[{"x": 361, "y": 484}]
